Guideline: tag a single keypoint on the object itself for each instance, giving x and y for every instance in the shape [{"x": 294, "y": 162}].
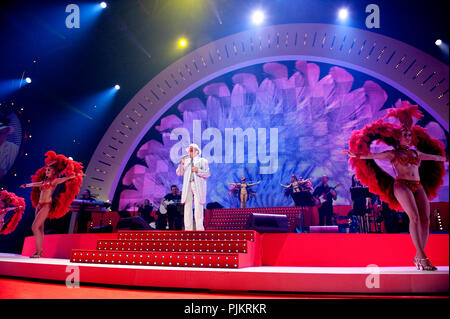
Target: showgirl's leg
[
  {"x": 245, "y": 199},
  {"x": 424, "y": 223},
  {"x": 406, "y": 199},
  {"x": 423, "y": 206},
  {"x": 38, "y": 227}
]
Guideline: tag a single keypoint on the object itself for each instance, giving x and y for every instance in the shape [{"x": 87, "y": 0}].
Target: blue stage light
[
  {"x": 117, "y": 87},
  {"x": 443, "y": 48},
  {"x": 343, "y": 14},
  {"x": 9, "y": 86},
  {"x": 258, "y": 17},
  {"x": 103, "y": 5},
  {"x": 28, "y": 80}
]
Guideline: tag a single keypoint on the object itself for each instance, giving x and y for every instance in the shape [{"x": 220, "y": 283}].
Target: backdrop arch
[{"x": 409, "y": 70}]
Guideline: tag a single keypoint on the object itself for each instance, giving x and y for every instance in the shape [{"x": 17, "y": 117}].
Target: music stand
[{"x": 304, "y": 199}]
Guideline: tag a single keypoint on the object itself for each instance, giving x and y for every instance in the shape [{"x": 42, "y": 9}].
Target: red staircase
[
  {"x": 236, "y": 218},
  {"x": 204, "y": 249}
]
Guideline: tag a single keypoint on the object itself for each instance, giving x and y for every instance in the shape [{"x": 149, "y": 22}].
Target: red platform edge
[
  {"x": 349, "y": 250},
  {"x": 295, "y": 250}
]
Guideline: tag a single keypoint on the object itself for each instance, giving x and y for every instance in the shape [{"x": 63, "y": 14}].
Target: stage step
[
  {"x": 173, "y": 259},
  {"x": 188, "y": 235},
  {"x": 207, "y": 249},
  {"x": 225, "y": 246}
]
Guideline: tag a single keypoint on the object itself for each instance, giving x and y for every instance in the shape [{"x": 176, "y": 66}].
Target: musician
[
  {"x": 173, "y": 214},
  {"x": 195, "y": 171},
  {"x": 84, "y": 216},
  {"x": 328, "y": 194},
  {"x": 145, "y": 211}
]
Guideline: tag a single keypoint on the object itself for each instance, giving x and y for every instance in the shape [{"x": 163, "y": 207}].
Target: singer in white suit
[{"x": 195, "y": 171}]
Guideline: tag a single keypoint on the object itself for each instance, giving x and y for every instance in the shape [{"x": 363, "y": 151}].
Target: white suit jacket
[{"x": 199, "y": 177}]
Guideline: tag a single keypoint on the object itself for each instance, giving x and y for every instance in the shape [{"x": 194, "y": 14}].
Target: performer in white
[{"x": 195, "y": 171}]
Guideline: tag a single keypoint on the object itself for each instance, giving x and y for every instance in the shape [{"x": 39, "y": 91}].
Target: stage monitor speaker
[
  {"x": 101, "y": 229},
  {"x": 213, "y": 205},
  {"x": 268, "y": 223},
  {"x": 324, "y": 229},
  {"x": 133, "y": 223}
]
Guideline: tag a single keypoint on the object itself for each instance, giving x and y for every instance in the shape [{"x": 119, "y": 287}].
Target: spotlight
[
  {"x": 343, "y": 14},
  {"x": 182, "y": 42},
  {"x": 258, "y": 17},
  {"x": 117, "y": 87},
  {"x": 28, "y": 80},
  {"x": 438, "y": 42},
  {"x": 103, "y": 5}
]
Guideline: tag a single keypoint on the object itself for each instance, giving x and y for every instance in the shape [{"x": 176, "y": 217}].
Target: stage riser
[
  {"x": 202, "y": 249},
  {"x": 218, "y": 260},
  {"x": 257, "y": 209},
  {"x": 174, "y": 246},
  {"x": 236, "y": 219}
]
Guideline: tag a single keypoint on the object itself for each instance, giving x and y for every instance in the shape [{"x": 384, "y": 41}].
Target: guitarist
[
  {"x": 171, "y": 202},
  {"x": 327, "y": 194}
]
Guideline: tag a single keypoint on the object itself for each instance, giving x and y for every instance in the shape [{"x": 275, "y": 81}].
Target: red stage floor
[
  {"x": 366, "y": 280},
  {"x": 14, "y": 288}
]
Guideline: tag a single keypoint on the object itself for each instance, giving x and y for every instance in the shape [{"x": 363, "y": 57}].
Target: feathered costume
[
  {"x": 235, "y": 189},
  {"x": 371, "y": 175},
  {"x": 62, "y": 200},
  {"x": 303, "y": 185},
  {"x": 11, "y": 199}
]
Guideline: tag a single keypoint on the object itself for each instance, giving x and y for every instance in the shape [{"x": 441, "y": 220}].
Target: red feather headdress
[
  {"x": 12, "y": 200},
  {"x": 371, "y": 175},
  {"x": 63, "y": 166}
]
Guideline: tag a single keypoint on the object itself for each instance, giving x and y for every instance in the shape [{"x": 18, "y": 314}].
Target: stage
[
  {"x": 282, "y": 263},
  {"x": 392, "y": 280}
]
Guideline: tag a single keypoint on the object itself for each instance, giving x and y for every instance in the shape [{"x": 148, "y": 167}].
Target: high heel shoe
[
  {"x": 427, "y": 266},
  {"x": 37, "y": 254},
  {"x": 416, "y": 262}
]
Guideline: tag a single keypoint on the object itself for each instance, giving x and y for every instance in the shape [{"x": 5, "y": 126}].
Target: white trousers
[{"x": 198, "y": 210}]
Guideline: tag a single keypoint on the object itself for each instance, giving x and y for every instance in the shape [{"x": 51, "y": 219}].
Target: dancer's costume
[
  {"x": 15, "y": 201},
  {"x": 381, "y": 183},
  {"x": 235, "y": 189},
  {"x": 69, "y": 189}
]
